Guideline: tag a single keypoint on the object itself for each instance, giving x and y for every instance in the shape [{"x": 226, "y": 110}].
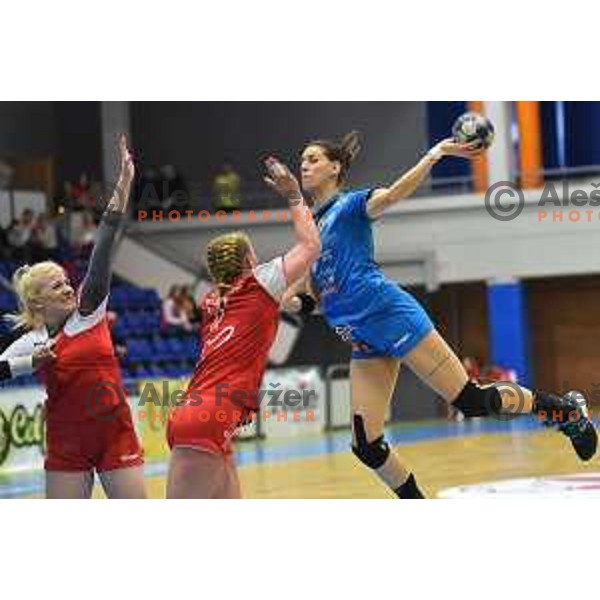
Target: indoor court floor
[{"x": 442, "y": 454}]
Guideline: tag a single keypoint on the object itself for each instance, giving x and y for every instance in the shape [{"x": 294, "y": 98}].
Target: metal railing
[{"x": 257, "y": 198}]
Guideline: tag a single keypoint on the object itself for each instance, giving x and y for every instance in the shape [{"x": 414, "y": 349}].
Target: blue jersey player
[{"x": 386, "y": 326}]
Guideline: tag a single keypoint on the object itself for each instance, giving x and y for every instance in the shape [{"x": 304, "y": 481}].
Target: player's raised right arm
[
  {"x": 299, "y": 258},
  {"x": 96, "y": 283}
]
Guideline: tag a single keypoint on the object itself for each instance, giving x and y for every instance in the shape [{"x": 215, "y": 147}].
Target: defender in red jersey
[
  {"x": 239, "y": 324},
  {"x": 88, "y": 422}
]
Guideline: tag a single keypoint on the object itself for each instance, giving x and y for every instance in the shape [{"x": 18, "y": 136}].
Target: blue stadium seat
[
  {"x": 137, "y": 298},
  {"x": 162, "y": 350},
  {"x": 117, "y": 300},
  {"x": 152, "y": 299},
  {"x": 8, "y": 302},
  {"x": 191, "y": 348},
  {"x": 119, "y": 329},
  {"x": 134, "y": 322},
  {"x": 176, "y": 369},
  {"x": 144, "y": 373},
  {"x": 157, "y": 370},
  {"x": 5, "y": 270},
  {"x": 176, "y": 348},
  {"x": 139, "y": 350},
  {"x": 151, "y": 321}
]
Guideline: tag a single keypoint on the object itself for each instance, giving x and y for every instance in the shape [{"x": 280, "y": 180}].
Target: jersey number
[{"x": 214, "y": 343}]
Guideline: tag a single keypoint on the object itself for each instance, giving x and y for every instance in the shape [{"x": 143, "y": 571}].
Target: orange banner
[
  {"x": 530, "y": 144},
  {"x": 479, "y": 165}
]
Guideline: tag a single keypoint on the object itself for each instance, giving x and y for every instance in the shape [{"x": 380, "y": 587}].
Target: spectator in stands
[
  {"x": 44, "y": 239},
  {"x": 86, "y": 235},
  {"x": 62, "y": 226},
  {"x": 189, "y": 305},
  {"x": 148, "y": 191},
  {"x": 82, "y": 192},
  {"x": 491, "y": 373},
  {"x": 96, "y": 193},
  {"x": 27, "y": 224},
  {"x": 174, "y": 317},
  {"x": 6, "y": 175},
  {"x": 68, "y": 202},
  {"x": 226, "y": 188},
  {"x": 173, "y": 191},
  {"x": 472, "y": 367},
  {"x": 19, "y": 236},
  {"x": 13, "y": 235},
  {"x": 152, "y": 184}
]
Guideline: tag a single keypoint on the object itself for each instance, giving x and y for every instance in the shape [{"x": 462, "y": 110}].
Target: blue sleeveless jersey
[{"x": 377, "y": 316}]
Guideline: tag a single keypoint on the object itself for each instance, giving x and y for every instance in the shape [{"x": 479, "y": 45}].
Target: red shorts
[
  {"x": 100, "y": 445},
  {"x": 208, "y": 426}
]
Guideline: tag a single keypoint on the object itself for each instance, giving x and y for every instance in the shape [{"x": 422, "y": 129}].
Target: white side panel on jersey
[
  {"x": 285, "y": 340},
  {"x": 271, "y": 277},
  {"x": 78, "y": 323}
]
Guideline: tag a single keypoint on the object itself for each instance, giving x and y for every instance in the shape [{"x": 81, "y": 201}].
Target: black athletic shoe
[{"x": 581, "y": 431}]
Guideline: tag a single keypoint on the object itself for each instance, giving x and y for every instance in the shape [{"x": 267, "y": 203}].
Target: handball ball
[{"x": 472, "y": 127}]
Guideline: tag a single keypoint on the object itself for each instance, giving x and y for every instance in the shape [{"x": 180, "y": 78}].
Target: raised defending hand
[
  {"x": 127, "y": 170},
  {"x": 282, "y": 180},
  {"x": 120, "y": 198}
]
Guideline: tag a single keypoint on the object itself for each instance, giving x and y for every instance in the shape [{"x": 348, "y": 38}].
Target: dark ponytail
[
  {"x": 344, "y": 152},
  {"x": 350, "y": 146}
]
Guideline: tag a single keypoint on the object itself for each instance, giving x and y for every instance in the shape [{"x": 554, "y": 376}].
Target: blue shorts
[{"x": 393, "y": 328}]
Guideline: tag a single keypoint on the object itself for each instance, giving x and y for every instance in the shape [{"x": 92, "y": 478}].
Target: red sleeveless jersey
[
  {"x": 84, "y": 382},
  {"x": 237, "y": 333},
  {"x": 89, "y": 423}
]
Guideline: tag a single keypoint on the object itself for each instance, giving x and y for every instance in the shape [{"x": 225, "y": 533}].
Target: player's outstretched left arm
[
  {"x": 22, "y": 358},
  {"x": 96, "y": 283},
  {"x": 404, "y": 186}
]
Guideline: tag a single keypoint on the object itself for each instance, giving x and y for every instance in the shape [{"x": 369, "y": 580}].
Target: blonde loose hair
[
  {"x": 226, "y": 255},
  {"x": 28, "y": 289}
]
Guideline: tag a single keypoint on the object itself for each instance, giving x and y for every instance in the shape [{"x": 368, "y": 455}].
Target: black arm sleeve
[
  {"x": 308, "y": 304},
  {"x": 5, "y": 370},
  {"x": 96, "y": 283}
]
